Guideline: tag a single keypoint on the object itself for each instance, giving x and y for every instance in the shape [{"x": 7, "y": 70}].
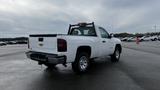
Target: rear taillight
[{"x": 61, "y": 45}]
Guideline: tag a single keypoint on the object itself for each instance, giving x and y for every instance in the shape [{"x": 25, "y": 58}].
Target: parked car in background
[
  {"x": 154, "y": 38},
  {"x": 159, "y": 37},
  {"x": 124, "y": 39},
  {"x": 146, "y": 38},
  {"x": 131, "y": 39},
  {"x": 142, "y": 38},
  {"x": 21, "y": 42},
  {"x": 2, "y": 43},
  {"x": 11, "y": 42}
]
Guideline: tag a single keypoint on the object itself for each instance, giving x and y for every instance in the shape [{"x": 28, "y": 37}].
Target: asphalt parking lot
[{"x": 138, "y": 69}]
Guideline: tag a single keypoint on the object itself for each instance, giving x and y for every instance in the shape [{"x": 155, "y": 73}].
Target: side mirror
[{"x": 111, "y": 35}]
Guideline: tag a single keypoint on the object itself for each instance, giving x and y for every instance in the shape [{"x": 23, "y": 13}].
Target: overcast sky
[{"x": 21, "y": 17}]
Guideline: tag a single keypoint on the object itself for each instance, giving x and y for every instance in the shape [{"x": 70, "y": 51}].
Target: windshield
[{"x": 83, "y": 31}]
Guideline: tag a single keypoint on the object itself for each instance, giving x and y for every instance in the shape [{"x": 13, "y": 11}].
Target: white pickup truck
[{"x": 83, "y": 43}]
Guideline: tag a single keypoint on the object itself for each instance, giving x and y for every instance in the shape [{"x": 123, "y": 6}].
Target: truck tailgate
[{"x": 43, "y": 43}]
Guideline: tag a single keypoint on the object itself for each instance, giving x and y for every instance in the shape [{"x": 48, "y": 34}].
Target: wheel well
[
  {"x": 120, "y": 47},
  {"x": 86, "y": 49}
]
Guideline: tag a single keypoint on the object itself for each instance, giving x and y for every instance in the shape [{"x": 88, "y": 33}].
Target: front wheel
[
  {"x": 82, "y": 63},
  {"x": 116, "y": 55}
]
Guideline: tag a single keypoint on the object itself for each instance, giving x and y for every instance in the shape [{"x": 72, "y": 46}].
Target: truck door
[{"x": 106, "y": 43}]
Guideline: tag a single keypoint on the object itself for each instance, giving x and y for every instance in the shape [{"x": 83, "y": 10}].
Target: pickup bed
[{"x": 80, "y": 46}]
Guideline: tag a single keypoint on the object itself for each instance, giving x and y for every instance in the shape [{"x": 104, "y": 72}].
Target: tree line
[
  {"x": 14, "y": 39},
  {"x": 125, "y": 34}
]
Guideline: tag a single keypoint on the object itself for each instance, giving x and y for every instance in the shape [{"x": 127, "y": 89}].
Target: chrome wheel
[
  {"x": 117, "y": 53},
  {"x": 83, "y": 63}
]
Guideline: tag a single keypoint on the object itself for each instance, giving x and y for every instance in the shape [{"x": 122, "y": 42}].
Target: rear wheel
[
  {"x": 82, "y": 63},
  {"x": 116, "y": 55}
]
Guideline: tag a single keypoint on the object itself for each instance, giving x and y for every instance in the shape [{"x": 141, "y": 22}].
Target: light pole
[{"x": 155, "y": 27}]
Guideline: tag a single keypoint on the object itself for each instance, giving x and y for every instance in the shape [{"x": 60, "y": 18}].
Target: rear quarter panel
[{"x": 73, "y": 42}]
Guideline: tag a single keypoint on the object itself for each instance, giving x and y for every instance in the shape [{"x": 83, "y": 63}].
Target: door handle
[{"x": 103, "y": 41}]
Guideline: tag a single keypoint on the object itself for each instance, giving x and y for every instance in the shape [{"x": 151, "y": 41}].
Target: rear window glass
[{"x": 83, "y": 31}]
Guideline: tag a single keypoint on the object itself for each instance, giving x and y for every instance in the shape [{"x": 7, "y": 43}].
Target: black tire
[
  {"x": 155, "y": 39},
  {"x": 116, "y": 55},
  {"x": 81, "y": 63}
]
